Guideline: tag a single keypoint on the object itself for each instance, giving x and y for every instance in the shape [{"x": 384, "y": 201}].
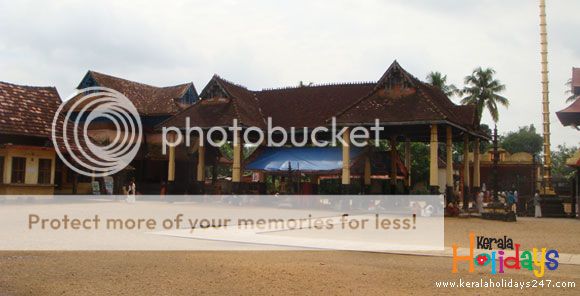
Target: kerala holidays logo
[{"x": 498, "y": 261}]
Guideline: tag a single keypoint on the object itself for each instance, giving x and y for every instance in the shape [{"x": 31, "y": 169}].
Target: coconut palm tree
[
  {"x": 482, "y": 90},
  {"x": 440, "y": 81},
  {"x": 572, "y": 96}
]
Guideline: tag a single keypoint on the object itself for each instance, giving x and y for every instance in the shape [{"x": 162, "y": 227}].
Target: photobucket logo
[
  {"x": 97, "y": 105},
  {"x": 274, "y": 136}
]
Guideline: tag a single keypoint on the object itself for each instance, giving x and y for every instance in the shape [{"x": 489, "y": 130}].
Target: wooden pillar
[
  {"x": 476, "y": 166},
  {"x": 346, "y": 162},
  {"x": 408, "y": 163},
  {"x": 171, "y": 166},
  {"x": 433, "y": 161},
  {"x": 237, "y": 165},
  {"x": 466, "y": 178},
  {"x": 449, "y": 161},
  {"x": 201, "y": 165},
  {"x": 393, "y": 176},
  {"x": 367, "y": 175}
]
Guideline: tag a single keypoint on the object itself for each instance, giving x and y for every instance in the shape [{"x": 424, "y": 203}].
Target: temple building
[
  {"x": 515, "y": 172},
  {"x": 154, "y": 104},
  {"x": 570, "y": 116},
  {"x": 408, "y": 109}
]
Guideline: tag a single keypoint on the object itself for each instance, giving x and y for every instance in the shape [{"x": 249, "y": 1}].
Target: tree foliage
[
  {"x": 526, "y": 139},
  {"x": 559, "y": 157},
  {"x": 571, "y": 96},
  {"x": 440, "y": 81}
]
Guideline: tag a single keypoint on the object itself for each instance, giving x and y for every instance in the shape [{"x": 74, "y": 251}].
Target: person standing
[
  {"x": 131, "y": 191},
  {"x": 538, "y": 211},
  {"x": 510, "y": 200},
  {"x": 479, "y": 200}
]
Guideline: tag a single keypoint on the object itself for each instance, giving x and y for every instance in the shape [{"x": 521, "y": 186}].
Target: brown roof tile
[
  {"x": 307, "y": 106},
  {"x": 310, "y": 106},
  {"x": 30, "y": 110},
  {"x": 570, "y": 115},
  {"x": 149, "y": 100},
  {"x": 27, "y": 110},
  {"x": 400, "y": 97}
]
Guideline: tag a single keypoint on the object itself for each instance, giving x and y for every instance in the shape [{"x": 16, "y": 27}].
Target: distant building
[
  {"x": 516, "y": 171},
  {"x": 27, "y": 156}
]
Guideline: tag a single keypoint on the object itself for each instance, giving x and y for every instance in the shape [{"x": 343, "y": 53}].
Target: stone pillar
[
  {"x": 476, "y": 167},
  {"x": 346, "y": 162},
  {"x": 466, "y": 191},
  {"x": 201, "y": 165},
  {"x": 237, "y": 165},
  {"x": 393, "y": 176},
  {"x": 433, "y": 161},
  {"x": 449, "y": 161}
]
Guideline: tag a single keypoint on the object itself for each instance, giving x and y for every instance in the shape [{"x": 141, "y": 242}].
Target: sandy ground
[{"x": 286, "y": 272}]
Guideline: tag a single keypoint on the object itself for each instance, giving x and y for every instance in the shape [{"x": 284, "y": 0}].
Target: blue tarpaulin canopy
[{"x": 305, "y": 159}]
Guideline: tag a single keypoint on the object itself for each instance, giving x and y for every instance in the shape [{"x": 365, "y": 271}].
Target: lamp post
[
  {"x": 547, "y": 174},
  {"x": 494, "y": 167}
]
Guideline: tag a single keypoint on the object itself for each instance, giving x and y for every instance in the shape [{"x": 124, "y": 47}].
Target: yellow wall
[{"x": 32, "y": 155}]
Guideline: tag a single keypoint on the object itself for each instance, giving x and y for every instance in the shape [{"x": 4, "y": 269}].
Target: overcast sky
[{"x": 263, "y": 44}]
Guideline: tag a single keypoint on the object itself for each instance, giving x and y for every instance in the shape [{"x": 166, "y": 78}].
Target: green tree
[
  {"x": 482, "y": 90},
  {"x": 559, "y": 157},
  {"x": 526, "y": 139},
  {"x": 440, "y": 81}
]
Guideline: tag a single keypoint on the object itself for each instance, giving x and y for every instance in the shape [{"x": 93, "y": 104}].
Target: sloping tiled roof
[
  {"x": 570, "y": 115},
  {"x": 149, "y": 100},
  {"x": 237, "y": 102},
  {"x": 307, "y": 106},
  {"x": 400, "y": 97},
  {"x": 310, "y": 106},
  {"x": 27, "y": 110},
  {"x": 30, "y": 110}
]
